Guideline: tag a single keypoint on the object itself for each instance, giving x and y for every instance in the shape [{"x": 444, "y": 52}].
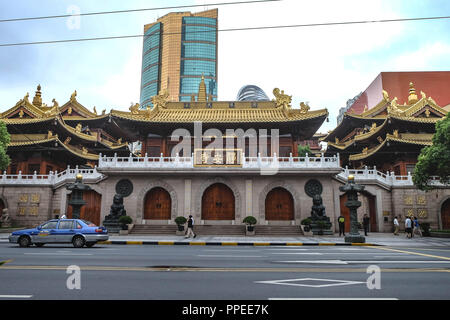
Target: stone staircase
[{"x": 218, "y": 230}]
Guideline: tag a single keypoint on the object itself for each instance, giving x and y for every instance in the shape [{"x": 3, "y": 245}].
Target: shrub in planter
[
  {"x": 180, "y": 221},
  {"x": 124, "y": 221},
  {"x": 306, "y": 223},
  {"x": 250, "y": 221}
]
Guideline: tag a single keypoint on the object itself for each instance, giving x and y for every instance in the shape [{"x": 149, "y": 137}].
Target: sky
[{"x": 324, "y": 66}]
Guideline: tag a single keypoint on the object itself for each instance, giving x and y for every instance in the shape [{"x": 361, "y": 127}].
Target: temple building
[
  {"x": 46, "y": 138},
  {"x": 219, "y": 161},
  {"x": 388, "y": 136}
]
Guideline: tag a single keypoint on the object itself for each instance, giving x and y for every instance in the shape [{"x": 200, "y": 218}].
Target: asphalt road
[{"x": 162, "y": 272}]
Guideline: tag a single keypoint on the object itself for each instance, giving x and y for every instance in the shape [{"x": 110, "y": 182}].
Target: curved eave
[
  {"x": 79, "y": 108},
  {"x": 345, "y": 128},
  {"x": 24, "y": 121},
  {"x": 73, "y": 150},
  {"x": 371, "y": 152}
]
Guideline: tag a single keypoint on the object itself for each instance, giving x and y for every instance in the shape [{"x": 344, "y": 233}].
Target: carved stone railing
[
  {"x": 259, "y": 162},
  {"x": 387, "y": 179},
  {"x": 51, "y": 179}
]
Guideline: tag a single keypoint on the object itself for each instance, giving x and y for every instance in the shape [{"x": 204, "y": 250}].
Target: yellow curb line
[
  {"x": 229, "y": 243},
  {"x": 326, "y": 244},
  {"x": 261, "y": 243},
  {"x": 416, "y": 253},
  {"x": 294, "y": 244},
  {"x": 197, "y": 243},
  {"x": 134, "y": 242},
  {"x": 166, "y": 242}
]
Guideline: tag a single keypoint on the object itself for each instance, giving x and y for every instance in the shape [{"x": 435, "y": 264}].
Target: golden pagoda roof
[
  {"x": 407, "y": 138},
  {"x": 32, "y": 139},
  {"x": 220, "y": 112}
]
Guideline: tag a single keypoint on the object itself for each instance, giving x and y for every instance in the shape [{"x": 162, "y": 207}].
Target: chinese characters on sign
[{"x": 218, "y": 157}]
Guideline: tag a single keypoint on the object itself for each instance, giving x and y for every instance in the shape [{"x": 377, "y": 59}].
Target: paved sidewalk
[{"x": 381, "y": 239}]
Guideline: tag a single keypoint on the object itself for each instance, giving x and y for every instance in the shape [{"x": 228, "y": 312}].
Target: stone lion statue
[
  {"x": 318, "y": 209},
  {"x": 117, "y": 208}
]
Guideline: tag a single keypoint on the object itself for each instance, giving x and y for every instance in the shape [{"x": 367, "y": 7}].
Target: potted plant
[
  {"x": 250, "y": 222},
  {"x": 180, "y": 221},
  {"x": 125, "y": 221}
]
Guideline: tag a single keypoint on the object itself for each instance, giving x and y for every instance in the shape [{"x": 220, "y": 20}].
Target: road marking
[
  {"x": 285, "y": 249},
  {"x": 11, "y": 296},
  {"x": 333, "y": 299},
  {"x": 58, "y": 254},
  {"x": 308, "y": 253},
  {"x": 227, "y": 250},
  {"x": 216, "y": 269},
  {"x": 315, "y": 261},
  {"x": 227, "y": 256},
  {"x": 334, "y": 284},
  {"x": 416, "y": 253}
]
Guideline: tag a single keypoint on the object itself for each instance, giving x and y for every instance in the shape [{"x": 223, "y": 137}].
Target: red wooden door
[
  {"x": 91, "y": 210},
  {"x": 279, "y": 205},
  {"x": 372, "y": 214},
  {"x": 2, "y": 206},
  {"x": 218, "y": 203},
  {"x": 445, "y": 215},
  {"x": 157, "y": 204},
  {"x": 345, "y": 212}
]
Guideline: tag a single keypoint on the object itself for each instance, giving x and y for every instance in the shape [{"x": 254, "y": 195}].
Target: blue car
[{"x": 76, "y": 231}]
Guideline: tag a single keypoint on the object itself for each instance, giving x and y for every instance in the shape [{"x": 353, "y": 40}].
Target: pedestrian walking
[
  {"x": 366, "y": 223},
  {"x": 190, "y": 230},
  {"x": 417, "y": 226},
  {"x": 341, "y": 222},
  {"x": 396, "y": 226},
  {"x": 408, "y": 224}
]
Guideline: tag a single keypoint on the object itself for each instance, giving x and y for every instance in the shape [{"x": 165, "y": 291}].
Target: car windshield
[
  {"x": 89, "y": 224},
  {"x": 49, "y": 225}
]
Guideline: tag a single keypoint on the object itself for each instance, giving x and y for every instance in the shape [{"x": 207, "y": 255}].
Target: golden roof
[
  {"x": 21, "y": 140},
  {"x": 408, "y": 138}
]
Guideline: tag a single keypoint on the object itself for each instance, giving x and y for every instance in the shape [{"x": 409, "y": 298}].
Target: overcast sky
[{"x": 325, "y": 66}]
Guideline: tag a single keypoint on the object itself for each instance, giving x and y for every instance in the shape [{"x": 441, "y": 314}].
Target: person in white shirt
[
  {"x": 408, "y": 225},
  {"x": 396, "y": 226}
]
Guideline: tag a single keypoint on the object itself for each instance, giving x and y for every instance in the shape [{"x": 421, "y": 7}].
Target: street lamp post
[{"x": 351, "y": 190}]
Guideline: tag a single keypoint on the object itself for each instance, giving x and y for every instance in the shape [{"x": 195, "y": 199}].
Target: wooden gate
[
  {"x": 91, "y": 210},
  {"x": 218, "y": 203},
  {"x": 445, "y": 215},
  {"x": 345, "y": 212},
  {"x": 157, "y": 204},
  {"x": 279, "y": 205}
]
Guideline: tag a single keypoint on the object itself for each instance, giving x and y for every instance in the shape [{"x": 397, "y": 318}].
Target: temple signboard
[{"x": 218, "y": 158}]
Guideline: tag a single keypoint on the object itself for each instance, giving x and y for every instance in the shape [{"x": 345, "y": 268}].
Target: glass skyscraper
[{"x": 178, "y": 50}]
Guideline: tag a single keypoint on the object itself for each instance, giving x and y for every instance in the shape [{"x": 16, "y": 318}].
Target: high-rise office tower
[{"x": 179, "y": 49}]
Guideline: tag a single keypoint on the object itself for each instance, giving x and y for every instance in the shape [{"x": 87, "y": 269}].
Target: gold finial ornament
[
  {"x": 79, "y": 176},
  {"x": 73, "y": 96},
  {"x": 304, "y": 107},
  {"x": 134, "y": 108},
  {"x": 37, "y": 100},
  {"x": 282, "y": 99},
  {"x": 351, "y": 178},
  {"x": 95, "y": 110},
  {"x": 412, "y": 98},
  {"x": 161, "y": 99}
]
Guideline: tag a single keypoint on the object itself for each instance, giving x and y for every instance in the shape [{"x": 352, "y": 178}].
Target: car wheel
[
  {"x": 90, "y": 244},
  {"x": 24, "y": 241},
  {"x": 39, "y": 245},
  {"x": 78, "y": 242}
]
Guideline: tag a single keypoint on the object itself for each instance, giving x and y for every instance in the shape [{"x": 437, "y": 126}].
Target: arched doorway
[
  {"x": 218, "y": 203},
  {"x": 91, "y": 210},
  {"x": 157, "y": 204},
  {"x": 445, "y": 214},
  {"x": 279, "y": 205}
]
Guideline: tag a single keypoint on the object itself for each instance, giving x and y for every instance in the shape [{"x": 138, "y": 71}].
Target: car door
[
  {"x": 64, "y": 232},
  {"x": 46, "y": 232}
]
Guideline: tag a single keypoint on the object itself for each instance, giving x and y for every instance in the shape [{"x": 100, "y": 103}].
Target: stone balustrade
[
  {"x": 51, "y": 179},
  {"x": 247, "y": 162}
]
